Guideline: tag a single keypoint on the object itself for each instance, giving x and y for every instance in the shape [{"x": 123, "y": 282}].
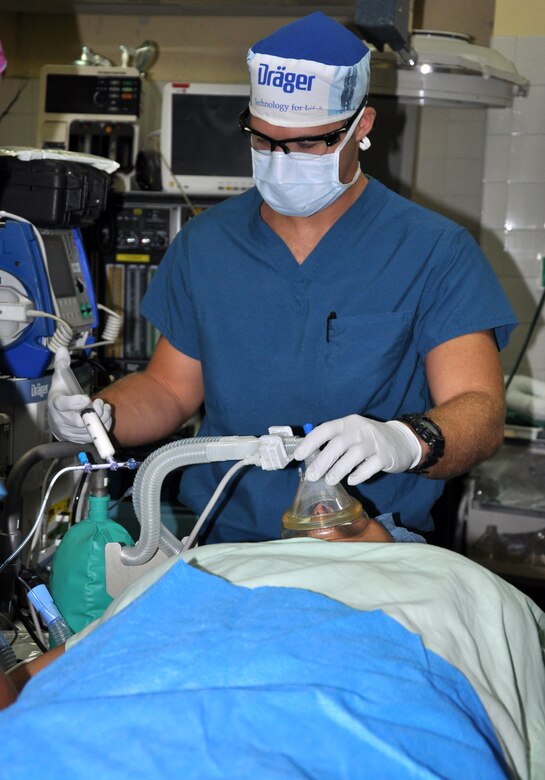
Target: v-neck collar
[{"x": 282, "y": 257}]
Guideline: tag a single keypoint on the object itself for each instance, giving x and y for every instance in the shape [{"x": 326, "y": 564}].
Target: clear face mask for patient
[{"x": 323, "y": 511}]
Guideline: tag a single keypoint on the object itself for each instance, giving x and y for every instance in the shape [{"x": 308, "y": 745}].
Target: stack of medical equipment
[
  {"x": 47, "y": 302},
  {"x": 46, "y": 288},
  {"x": 97, "y": 109}
]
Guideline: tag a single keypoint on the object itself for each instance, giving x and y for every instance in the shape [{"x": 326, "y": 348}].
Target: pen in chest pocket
[{"x": 331, "y": 316}]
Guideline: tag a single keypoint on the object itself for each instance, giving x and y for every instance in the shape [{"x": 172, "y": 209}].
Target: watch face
[
  {"x": 429, "y": 428},
  {"x": 431, "y": 434}
]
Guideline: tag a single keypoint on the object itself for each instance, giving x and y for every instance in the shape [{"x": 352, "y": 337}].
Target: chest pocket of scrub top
[{"x": 367, "y": 361}]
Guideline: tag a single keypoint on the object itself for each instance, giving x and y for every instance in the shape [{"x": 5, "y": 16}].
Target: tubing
[
  {"x": 147, "y": 497},
  {"x": 17, "y": 475},
  {"x": 10, "y": 531},
  {"x": 8, "y": 659},
  {"x": 59, "y": 632},
  {"x": 154, "y": 469}
]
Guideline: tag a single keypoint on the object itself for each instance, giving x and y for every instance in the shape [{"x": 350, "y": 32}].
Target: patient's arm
[
  {"x": 15, "y": 680},
  {"x": 8, "y": 694}
]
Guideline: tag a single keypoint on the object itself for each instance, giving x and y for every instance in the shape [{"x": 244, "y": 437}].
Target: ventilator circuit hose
[
  {"x": 147, "y": 497},
  {"x": 151, "y": 474}
]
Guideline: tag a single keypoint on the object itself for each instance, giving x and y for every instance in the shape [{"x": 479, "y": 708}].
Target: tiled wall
[
  {"x": 448, "y": 172},
  {"x": 513, "y": 207}
]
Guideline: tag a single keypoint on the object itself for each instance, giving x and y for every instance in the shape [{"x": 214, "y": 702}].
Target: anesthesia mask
[{"x": 323, "y": 511}]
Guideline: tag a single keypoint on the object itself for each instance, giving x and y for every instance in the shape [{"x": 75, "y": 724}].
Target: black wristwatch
[{"x": 431, "y": 433}]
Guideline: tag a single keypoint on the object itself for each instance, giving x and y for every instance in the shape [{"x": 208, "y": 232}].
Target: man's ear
[{"x": 365, "y": 125}]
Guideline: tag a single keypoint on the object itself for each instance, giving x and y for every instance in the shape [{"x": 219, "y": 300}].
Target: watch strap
[{"x": 431, "y": 433}]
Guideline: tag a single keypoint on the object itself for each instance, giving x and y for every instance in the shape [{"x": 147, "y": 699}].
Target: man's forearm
[
  {"x": 144, "y": 411},
  {"x": 473, "y": 427}
]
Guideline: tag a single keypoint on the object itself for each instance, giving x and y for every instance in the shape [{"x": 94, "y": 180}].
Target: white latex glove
[
  {"x": 358, "y": 443},
  {"x": 63, "y": 409}
]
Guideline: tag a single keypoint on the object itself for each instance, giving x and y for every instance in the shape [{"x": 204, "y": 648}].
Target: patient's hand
[{"x": 375, "y": 532}]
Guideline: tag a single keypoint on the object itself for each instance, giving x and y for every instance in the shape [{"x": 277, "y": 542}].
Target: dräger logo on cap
[
  {"x": 308, "y": 73},
  {"x": 286, "y": 80}
]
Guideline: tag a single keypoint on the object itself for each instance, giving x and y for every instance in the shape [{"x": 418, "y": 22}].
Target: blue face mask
[{"x": 298, "y": 184}]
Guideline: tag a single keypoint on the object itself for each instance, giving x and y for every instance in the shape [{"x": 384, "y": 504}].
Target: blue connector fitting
[{"x": 59, "y": 630}]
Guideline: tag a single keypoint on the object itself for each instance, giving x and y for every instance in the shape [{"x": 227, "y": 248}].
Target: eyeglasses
[{"x": 308, "y": 144}]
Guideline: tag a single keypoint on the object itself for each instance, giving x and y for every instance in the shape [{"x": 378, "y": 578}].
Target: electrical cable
[
  {"x": 82, "y": 503},
  {"x": 112, "y": 505},
  {"x": 40, "y": 242},
  {"x": 14, "y": 627},
  {"x": 113, "y": 325},
  {"x": 63, "y": 333},
  {"x": 87, "y": 467},
  {"x": 35, "y": 620},
  {"x": 110, "y": 333},
  {"x": 208, "y": 508},
  {"x": 101, "y": 369},
  {"x": 52, "y": 466},
  {"x": 27, "y": 623},
  {"x": 78, "y": 498},
  {"x": 183, "y": 193},
  {"x": 41, "y": 511},
  {"x": 526, "y": 340},
  {"x": 14, "y": 100}
]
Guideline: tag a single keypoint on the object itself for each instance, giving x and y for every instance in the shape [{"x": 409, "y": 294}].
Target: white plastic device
[{"x": 91, "y": 420}]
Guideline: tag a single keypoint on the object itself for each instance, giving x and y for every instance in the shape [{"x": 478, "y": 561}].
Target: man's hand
[
  {"x": 359, "y": 447},
  {"x": 64, "y": 409}
]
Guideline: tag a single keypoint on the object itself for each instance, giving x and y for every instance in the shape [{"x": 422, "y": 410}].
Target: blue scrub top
[{"x": 399, "y": 279}]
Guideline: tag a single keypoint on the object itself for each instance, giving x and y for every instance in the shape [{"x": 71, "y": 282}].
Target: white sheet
[{"x": 489, "y": 630}]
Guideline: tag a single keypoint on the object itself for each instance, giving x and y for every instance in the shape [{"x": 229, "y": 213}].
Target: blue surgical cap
[{"x": 310, "y": 72}]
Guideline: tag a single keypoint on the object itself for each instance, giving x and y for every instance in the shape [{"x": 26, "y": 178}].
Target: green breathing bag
[{"x": 78, "y": 572}]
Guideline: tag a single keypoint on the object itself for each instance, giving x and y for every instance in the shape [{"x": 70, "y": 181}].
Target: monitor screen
[
  {"x": 204, "y": 153},
  {"x": 58, "y": 263}
]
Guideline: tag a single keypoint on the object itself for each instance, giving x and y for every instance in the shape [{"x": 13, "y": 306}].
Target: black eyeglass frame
[{"x": 331, "y": 138}]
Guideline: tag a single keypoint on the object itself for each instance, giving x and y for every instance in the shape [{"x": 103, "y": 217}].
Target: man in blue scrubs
[{"x": 318, "y": 296}]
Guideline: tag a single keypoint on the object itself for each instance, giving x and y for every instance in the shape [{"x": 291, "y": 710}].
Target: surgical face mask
[{"x": 299, "y": 184}]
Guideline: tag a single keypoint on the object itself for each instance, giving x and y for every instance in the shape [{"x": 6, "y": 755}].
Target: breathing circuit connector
[
  {"x": 111, "y": 464},
  {"x": 59, "y": 630}
]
